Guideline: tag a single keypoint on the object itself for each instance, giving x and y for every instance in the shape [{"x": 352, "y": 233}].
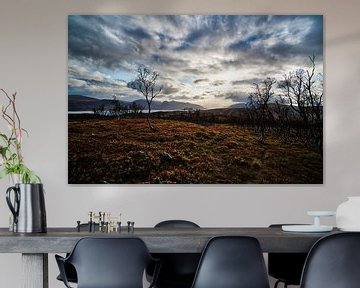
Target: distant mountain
[
  {"x": 169, "y": 105},
  {"x": 85, "y": 103},
  {"x": 238, "y": 105},
  {"x": 175, "y": 105},
  {"x": 271, "y": 105}
]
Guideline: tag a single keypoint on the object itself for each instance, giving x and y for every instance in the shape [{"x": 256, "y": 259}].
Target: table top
[{"x": 158, "y": 240}]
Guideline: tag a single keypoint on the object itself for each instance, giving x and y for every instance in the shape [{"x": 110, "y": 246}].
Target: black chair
[
  {"x": 232, "y": 262},
  {"x": 286, "y": 267},
  {"x": 108, "y": 263},
  {"x": 69, "y": 269},
  {"x": 178, "y": 269},
  {"x": 333, "y": 262}
]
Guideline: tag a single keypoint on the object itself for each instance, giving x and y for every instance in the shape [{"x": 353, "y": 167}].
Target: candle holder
[{"x": 315, "y": 227}]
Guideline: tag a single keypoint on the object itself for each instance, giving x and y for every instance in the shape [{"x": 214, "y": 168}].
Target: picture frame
[{"x": 195, "y": 99}]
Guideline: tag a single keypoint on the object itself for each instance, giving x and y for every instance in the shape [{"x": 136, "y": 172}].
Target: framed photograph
[{"x": 195, "y": 99}]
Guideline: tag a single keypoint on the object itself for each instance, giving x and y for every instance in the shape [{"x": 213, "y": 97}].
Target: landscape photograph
[{"x": 195, "y": 99}]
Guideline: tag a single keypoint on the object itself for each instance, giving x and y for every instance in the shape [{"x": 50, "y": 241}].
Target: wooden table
[{"x": 35, "y": 247}]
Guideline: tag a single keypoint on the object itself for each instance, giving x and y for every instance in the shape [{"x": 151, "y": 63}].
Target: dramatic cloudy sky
[{"x": 208, "y": 60}]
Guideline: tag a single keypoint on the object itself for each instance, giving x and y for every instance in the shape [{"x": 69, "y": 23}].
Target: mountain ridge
[{"x": 86, "y": 103}]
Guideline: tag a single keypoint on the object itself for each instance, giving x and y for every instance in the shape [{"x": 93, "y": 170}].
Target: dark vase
[{"x": 27, "y": 204}]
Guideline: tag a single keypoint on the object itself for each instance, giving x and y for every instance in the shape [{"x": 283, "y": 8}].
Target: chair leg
[{"x": 278, "y": 282}]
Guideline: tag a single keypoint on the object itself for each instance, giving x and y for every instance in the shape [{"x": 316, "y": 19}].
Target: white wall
[{"x": 33, "y": 62}]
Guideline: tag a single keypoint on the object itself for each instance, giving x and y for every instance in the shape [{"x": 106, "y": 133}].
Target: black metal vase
[{"x": 27, "y": 204}]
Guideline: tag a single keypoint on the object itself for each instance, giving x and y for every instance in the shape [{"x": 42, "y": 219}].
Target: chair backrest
[
  {"x": 333, "y": 262},
  {"x": 176, "y": 224},
  {"x": 178, "y": 269},
  {"x": 232, "y": 262},
  {"x": 286, "y": 267},
  {"x": 110, "y": 262}
]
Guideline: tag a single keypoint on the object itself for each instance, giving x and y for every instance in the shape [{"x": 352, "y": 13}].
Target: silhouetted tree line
[
  {"x": 238, "y": 117},
  {"x": 119, "y": 110},
  {"x": 99, "y": 111},
  {"x": 298, "y": 111}
]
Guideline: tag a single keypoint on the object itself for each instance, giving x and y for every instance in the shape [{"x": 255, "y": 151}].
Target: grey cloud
[
  {"x": 218, "y": 83},
  {"x": 229, "y": 63},
  {"x": 253, "y": 48},
  {"x": 200, "y": 71},
  {"x": 238, "y": 97},
  {"x": 168, "y": 62},
  {"x": 197, "y": 35},
  {"x": 314, "y": 40},
  {"x": 168, "y": 89},
  {"x": 311, "y": 43},
  {"x": 194, "y": 71},
  {"x": 245, "y": 81},
  {"x": 137, "y": 33},
  {"x": 172, "y": 20},
  {"x": 179, "y": 97},
  {"x": 110, "y": 43},
  {"x": 88, "y": 43},
  {"x": 201, "y": 80}
]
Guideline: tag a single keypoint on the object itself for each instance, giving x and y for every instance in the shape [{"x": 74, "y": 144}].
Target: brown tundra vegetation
[{"x": 124, "y": 151}]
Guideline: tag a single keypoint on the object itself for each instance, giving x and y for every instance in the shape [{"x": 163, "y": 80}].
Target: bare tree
[
  {"x": 258, "y": 101},
  {"x": 294, "y": 89},
  {"x": 146, "y": 84},
  {"x": 136, "y": 109},
  {"x": 283, "y": 126},
  {"x": 304, "y": 91},
  {"x": 117, "y": 110},
  {"x": 99, "y": 110},
  {"x": 315, "y": 90},
  {"x": 315, "y": 93}
]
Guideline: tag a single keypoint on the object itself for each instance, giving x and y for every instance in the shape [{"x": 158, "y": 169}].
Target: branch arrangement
[{"x": 11, "y": 159}]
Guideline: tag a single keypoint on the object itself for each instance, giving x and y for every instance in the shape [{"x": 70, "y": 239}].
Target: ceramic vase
[
  {"x": 13, "y": 179},
  {"x": 348, "y": 214},
  {"x": 27, "y": 204}
]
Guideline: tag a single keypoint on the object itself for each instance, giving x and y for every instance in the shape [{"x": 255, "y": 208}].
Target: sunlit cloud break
[{"x": 208, "y": 60}]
